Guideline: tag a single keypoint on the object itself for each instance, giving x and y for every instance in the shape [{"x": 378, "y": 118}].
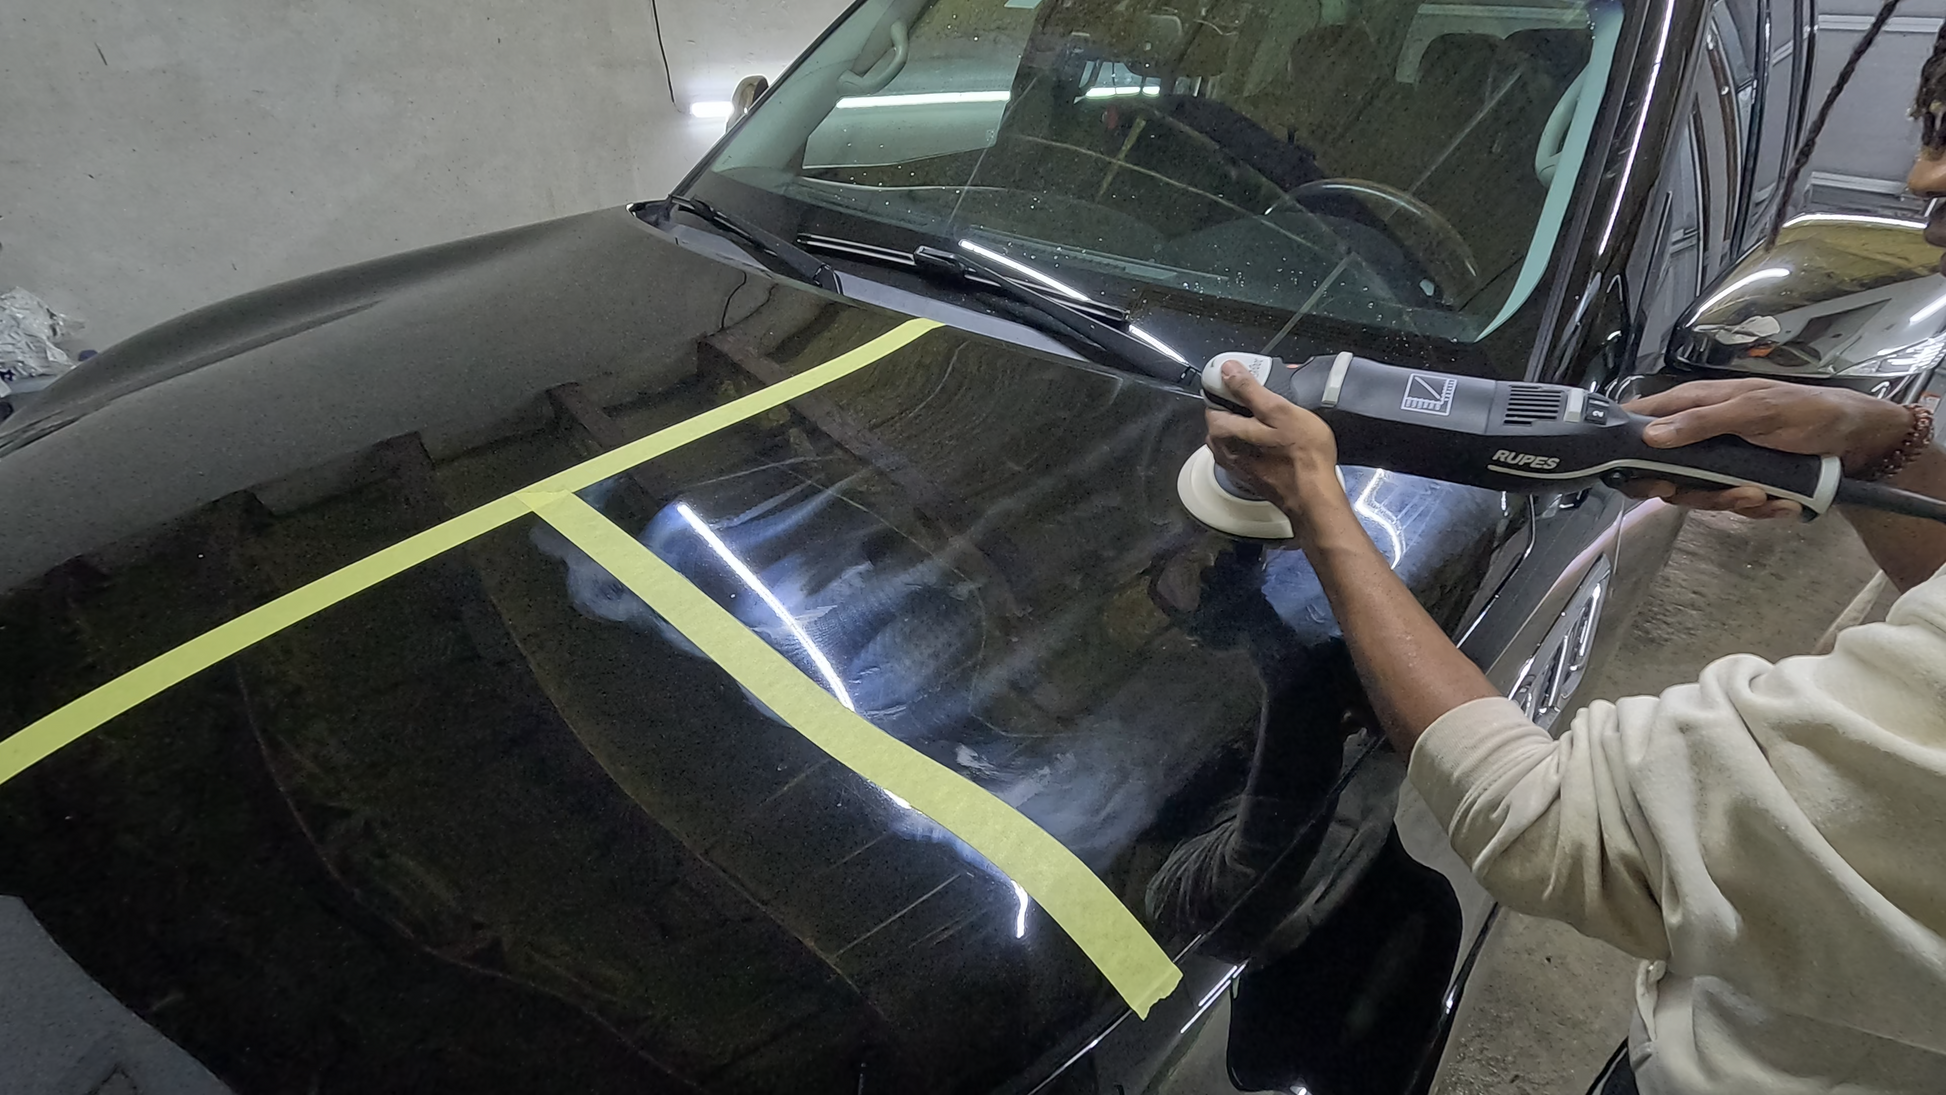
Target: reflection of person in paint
[
  {"x": 1296, "y": 759},
  {"x": 1770, "y": 839}
]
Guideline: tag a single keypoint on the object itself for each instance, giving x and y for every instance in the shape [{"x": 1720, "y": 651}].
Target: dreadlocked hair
[
  {"x": 1934, "y": 70},
  {"x": 1930, "y": 104}
]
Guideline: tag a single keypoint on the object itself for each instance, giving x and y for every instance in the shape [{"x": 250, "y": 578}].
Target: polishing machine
[{"x": 1502, "y": 435}]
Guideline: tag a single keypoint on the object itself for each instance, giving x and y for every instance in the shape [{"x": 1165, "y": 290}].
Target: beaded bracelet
[{"x": 1916, "y": 441}]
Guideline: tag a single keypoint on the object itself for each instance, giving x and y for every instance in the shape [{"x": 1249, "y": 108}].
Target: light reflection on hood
[
  {"x": 924, "y": 653},
  {"x": 921, "y": 654}
]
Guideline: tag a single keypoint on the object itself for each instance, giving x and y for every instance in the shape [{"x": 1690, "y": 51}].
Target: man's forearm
[
  {"x": 1412, "y": 672},
  {"x": 1908, "y": 549}
]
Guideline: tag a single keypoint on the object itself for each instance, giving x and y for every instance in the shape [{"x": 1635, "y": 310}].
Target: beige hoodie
[{"x": 1771, "y": 839}]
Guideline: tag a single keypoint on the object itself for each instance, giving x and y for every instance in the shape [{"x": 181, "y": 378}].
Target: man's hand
[
  {"x": 1285, "y": 453},
  {"x": 1412, "y": 671},
  {"x": 1776, "y": 414}
]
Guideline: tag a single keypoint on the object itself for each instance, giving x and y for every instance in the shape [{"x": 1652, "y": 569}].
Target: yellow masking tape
[
  {"x": 1077, "y": 900},
  {"x": 41, "y": 739}
]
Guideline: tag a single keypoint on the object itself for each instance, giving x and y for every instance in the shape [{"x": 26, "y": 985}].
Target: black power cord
[
  {"x": 1804, "y": 150},
  {"x": 1851, "y": 492},
  {"x": 1886, "y": 499},
  {"x": 662, "y": 45}
]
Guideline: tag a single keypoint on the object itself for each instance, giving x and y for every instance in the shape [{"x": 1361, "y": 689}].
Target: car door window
[
  {"x": 1668, "y": 268},
  {"x": 1781, "y": 115},
  {"x": 1719, "y": 123}
]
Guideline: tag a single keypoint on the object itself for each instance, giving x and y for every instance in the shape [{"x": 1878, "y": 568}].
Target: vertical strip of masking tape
[
  {"x": 1085, "y": 908},
  {"x": 43, "y": 738}
]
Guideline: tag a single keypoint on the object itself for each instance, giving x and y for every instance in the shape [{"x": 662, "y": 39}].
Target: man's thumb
[
  {"x": 1685, "y": 428},
  {"x": 1662, "y": 434}
]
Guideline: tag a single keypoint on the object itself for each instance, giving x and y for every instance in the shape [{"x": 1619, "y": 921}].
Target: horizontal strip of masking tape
[
  {"x": 1078, "y": 901},
  {"x": 47, "y": 736}
]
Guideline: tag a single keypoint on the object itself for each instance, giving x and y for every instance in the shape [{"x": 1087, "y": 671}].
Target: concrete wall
[
  {"x": 157, "y": 155},
  {"x": 1867, "y": 148}
]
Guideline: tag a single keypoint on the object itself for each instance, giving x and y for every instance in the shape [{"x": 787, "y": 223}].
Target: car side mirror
[
  {"x": 1850, "y": 301},
  {"x": 749, "y": 90}
]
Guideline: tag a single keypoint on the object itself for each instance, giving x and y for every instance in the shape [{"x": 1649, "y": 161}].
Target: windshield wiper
[
  {"x": 779, "y": 252},
  {"x": 1075, "y": 316}
]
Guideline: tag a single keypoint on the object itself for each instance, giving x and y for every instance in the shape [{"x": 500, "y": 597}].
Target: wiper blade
[
  {"x": 793, "y": 260},
  {"x": 1079, "y": 319},
  {"x": 1127, "y": 351}
]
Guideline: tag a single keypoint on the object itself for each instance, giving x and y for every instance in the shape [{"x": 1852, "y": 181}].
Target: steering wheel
[{"x": 1451, "y": 263}]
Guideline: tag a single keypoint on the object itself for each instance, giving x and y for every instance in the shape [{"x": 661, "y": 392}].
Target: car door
[
  {"x": 1587, "y": 557},
  {"x": 1580, "y": 562},
  {"x": 1718, "y": 189}
]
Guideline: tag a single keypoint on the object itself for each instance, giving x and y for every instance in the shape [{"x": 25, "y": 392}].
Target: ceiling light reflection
[
  {"x": 1020, "y": 918},
  {"x": 1854, "y": 218},
  {"x": 1927, "y": 312},
  {"x": 924, "y": 98},
  {"x": 1157, "y": 344},
  {"x": 1366, "y": 508},
  {"x": 762, "y": 591},
  {"x": 1641, "y": 126},
  {"x": 1209, "y": 997},
  {"x": 1768, "y": 273},
  {"x": 1024, "y": 270}
]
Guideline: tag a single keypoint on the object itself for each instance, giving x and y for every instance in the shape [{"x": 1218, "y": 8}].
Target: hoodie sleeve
[
  {"x": 1776, "y": 826},
  {"x": 1551, "y": 828}
]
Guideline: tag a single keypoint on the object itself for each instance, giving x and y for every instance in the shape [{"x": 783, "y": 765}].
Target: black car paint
[
  {"x": 240, "y": 895},
  {"x": 987, "y": 584}
]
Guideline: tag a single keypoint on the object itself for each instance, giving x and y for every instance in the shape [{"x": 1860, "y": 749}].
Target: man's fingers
[
  {"x": 1224, "y": 426},
  {"x": 1243, "y": 469},
  {"x": 1696, "y": 393},
  {"x": 1748, "y": 502},
  {"x": 1649, "y": 488},
  {"x": 1261, "y": 400},
  {"x": 1775, "y": 509},
  {"x": 1736, "y": 498},
  {"x": 1701, "y": 423}
]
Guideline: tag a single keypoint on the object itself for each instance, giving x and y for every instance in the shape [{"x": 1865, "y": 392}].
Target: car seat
[
  {"x": 1480, "y": 144},
  {"x": 1331, "y": 76}
]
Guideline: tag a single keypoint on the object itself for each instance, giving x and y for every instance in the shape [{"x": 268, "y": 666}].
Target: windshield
[{"x": 1390, "y": 164}]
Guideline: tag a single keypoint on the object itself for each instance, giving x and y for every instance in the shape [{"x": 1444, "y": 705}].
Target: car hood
[{"x": 493, "y": 824}]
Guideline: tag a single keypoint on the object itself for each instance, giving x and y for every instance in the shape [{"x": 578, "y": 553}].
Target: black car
[{"x": 358, "y": 745}]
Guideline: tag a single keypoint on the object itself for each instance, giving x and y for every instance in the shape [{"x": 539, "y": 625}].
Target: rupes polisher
[{"x": 1502, "y": 435}]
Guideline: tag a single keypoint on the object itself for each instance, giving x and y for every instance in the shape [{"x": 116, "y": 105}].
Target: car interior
[{"x": 1266, "y": 147}]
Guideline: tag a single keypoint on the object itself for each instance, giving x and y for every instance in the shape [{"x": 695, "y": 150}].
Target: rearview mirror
[{"x": 1843, "y": 300}]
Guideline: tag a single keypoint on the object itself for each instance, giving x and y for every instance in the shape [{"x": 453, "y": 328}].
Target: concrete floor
[{"x": 1547, "y": 1005}]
